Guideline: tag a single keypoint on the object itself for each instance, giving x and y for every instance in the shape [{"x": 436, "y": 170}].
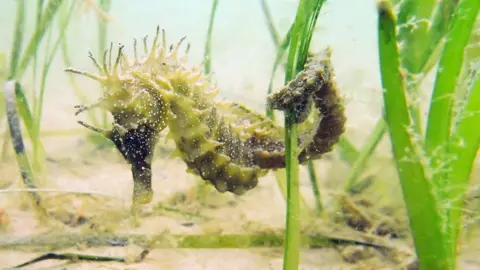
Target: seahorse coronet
[{"x": 225, "y": 143}]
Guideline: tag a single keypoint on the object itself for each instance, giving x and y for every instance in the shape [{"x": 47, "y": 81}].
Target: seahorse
[{"x": 224, "y": 143}]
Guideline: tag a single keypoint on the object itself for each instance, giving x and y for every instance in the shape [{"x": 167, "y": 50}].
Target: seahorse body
[{"x": 225, "y": 143}]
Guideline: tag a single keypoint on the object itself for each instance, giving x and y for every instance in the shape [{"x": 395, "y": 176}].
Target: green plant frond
[
  {"x": 48, "y": 15},
  {"x": 428, "y": 233},
  {"x": 302, "y": 31},
  {"x": 18, "y": 37},
  {"x": 464, "y": 145},
  {"x": 440, "y": 116}
]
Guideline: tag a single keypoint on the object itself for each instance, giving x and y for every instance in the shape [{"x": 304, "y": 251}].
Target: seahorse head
[{"x": 137, "y": 91}]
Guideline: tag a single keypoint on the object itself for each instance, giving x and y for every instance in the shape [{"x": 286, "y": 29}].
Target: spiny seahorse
[{"x": 224, "y": 143}]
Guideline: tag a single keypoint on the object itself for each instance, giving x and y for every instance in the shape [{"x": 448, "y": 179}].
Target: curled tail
[{"x": 315, "y": 85}]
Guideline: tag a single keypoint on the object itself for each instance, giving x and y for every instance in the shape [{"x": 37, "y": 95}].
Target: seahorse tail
[
  {"x": 332, "y": 124},
  {"x": 315, "y": 84}
]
